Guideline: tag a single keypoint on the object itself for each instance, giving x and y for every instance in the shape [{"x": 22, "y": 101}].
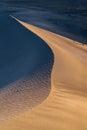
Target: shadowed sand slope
[
  {"x": 66, "y": 106},
  {"x": 25, "y": 69}
]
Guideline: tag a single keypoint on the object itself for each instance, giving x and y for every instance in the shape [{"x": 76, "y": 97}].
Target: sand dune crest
[{"x": 66, "y": 106}]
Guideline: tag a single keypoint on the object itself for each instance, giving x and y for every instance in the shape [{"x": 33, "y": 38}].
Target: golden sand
[{"x": 66, "y": 106}]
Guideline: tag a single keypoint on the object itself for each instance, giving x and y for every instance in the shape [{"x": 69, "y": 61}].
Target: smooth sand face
[{"x": 66, "y": 106}]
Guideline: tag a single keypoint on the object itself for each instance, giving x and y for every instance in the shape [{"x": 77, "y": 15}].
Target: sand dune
[
  {"x": 25, "y": 70},
  {"x": 66, "y": 106}
]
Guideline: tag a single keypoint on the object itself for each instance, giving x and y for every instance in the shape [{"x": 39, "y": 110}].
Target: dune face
[
  {"x": 25, "y": 69},
  {"x": 66, "y": 106},
  {"x": 72, "y": 59}
]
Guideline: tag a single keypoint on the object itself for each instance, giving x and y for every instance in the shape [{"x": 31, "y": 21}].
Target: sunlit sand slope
[{"x": 66, "y": 106}]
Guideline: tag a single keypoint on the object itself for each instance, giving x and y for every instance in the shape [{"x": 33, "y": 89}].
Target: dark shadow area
[{"x": 21, "y": 51}]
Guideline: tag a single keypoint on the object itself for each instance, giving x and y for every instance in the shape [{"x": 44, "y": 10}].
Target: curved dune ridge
[
  {"x": 25, "y": 70},
  {"x": 66, "y": 106}
]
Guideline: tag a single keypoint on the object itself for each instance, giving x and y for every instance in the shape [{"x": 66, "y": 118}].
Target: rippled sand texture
[
  {"x": 66, "y": 106},
  {"x": 26, "y": 93}
]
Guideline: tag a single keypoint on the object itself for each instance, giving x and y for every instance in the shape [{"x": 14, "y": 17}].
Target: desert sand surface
[{"x": 66, "y": 106}]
